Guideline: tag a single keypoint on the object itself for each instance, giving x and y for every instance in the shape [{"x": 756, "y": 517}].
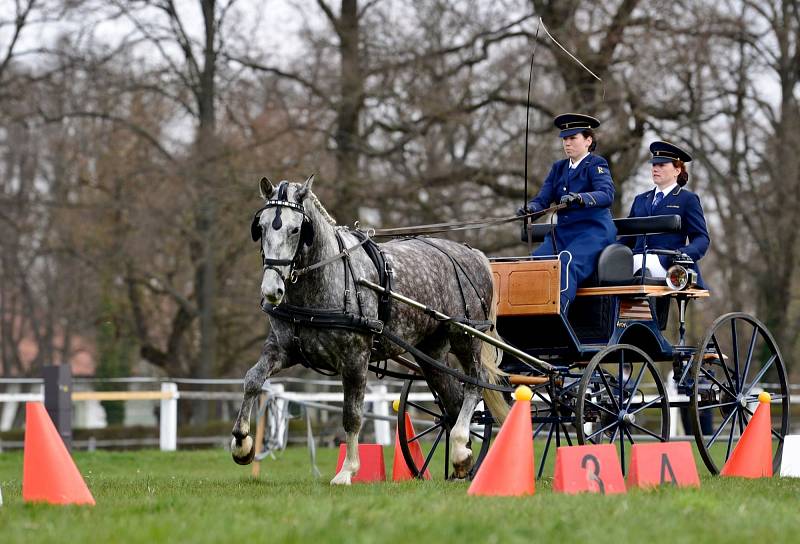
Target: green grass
[{"x": 202, "y": 496}]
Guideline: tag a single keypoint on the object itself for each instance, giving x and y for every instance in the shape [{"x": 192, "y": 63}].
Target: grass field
[{"x": 202, "y": 496}]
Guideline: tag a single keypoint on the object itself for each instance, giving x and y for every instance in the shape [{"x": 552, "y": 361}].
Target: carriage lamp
[{"x": 679, "y": 277}]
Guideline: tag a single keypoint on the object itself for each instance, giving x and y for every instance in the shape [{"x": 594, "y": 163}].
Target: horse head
[{"x": 285, "y": 229}]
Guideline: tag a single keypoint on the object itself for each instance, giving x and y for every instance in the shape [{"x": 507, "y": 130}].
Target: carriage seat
[{"x": 615, "y": 263}]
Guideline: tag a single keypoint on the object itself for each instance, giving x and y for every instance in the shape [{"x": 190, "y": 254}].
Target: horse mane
[{"x": 320, "y": 208}]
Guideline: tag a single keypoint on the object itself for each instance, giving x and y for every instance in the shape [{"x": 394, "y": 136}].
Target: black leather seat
[{"x": 615, "y": 267}]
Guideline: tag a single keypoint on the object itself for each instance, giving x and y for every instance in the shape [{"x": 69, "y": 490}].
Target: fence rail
[{"x": 380, "y": 396}]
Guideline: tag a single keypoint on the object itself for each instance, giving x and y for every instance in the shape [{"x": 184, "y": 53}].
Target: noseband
[{"x": 306, "y": 231}]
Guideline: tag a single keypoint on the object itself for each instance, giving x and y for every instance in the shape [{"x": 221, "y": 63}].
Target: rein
[
  {"x": 433, "y": 228},
  {"x": 295, "y": 274}
]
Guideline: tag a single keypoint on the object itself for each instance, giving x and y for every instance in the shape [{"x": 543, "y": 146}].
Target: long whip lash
[
  {"x": 573, "y": 57},
  {"x": 528, "y": 114}
]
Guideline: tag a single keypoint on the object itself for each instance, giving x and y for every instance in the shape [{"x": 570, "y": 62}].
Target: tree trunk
[{"x": 348, "y": 139}]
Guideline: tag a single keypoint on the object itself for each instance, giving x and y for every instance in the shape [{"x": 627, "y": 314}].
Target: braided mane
[{"x": 317, "y": 204}]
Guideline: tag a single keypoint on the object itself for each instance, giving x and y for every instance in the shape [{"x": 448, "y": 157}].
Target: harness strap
[
  {"x": 385, "y": 272},
  {"x": 269, "y": 266},
  {"x": 458, "y": 278},
  {"x": 346, "y": 295},
  {"x": 383, "y": 371},
  {"x": 322, "y": 318},
  {"x": 349, "y": 264},
  {"x": 298, "y": 346},
  {"x": 344, "y": 253}
]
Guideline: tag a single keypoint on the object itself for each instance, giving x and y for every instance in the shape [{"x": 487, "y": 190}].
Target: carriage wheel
[
  {"x": 431, "y": 423},
  {"x": 621, "y": 394},
  {"x": 737, "y": 360},
  {"x": 553, "y": 408}
]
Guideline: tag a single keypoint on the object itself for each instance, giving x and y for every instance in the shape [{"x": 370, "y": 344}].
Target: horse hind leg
[
  {"x": 456, "y": 397},
  {"x": 467, "y": 350},
  {"x": 460, "y": 452}
]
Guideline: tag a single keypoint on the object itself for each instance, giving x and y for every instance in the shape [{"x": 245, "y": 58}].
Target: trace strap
[{"x": 428, "y": 360}]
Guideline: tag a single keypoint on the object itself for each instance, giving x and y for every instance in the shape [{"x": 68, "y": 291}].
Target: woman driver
[{"x": 583, "y": 181}]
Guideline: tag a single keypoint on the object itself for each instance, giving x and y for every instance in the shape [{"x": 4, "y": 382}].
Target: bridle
[{"x": 306, "y": 232}]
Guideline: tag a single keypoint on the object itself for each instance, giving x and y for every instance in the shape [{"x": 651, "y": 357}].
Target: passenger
[
  {"x": 583, "y": 182},
  {"x": 668, "y": 197}
]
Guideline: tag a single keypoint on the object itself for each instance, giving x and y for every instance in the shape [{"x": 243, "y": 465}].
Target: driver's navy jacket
[
  {"x": 585, "y": 230},
  {"x": 693, "y": 238}
]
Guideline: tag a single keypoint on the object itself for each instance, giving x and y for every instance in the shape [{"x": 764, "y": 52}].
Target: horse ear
[
  {"x": 304, "y": 190},
  {"x": 266, "y": 188}
]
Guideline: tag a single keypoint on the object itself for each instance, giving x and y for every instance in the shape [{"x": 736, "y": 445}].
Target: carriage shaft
[{"x": 537, "y": 363}]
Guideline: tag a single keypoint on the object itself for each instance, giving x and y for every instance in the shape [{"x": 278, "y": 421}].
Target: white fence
[{"x": 378, "y": 401}]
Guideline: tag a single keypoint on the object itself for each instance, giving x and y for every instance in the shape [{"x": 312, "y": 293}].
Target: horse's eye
[{"x": 295, "y": 230}]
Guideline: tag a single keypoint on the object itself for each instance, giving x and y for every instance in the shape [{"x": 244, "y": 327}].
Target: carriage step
[
  {"x": 519, "y": 379},
  {"x": 713, "y": 356}
]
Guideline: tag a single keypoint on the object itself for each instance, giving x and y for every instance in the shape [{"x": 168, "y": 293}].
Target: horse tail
[{"x": 490, "y": 361}]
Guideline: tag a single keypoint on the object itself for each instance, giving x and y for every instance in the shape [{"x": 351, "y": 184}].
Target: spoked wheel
[
  {"x": 622, "y": 397},
  {"x": 432, "y": 432},
  {"x": 737, "y": 360},
  {"x": 553, "y": 409}
]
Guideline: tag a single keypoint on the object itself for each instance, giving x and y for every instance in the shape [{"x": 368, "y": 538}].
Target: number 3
[{"x": 594, "y": 474}]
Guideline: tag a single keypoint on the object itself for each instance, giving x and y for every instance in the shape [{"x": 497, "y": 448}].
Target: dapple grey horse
[{"x": 300, "y": 233}]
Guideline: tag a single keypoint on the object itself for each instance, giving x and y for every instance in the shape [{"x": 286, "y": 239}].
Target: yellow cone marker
[
  {"x": 523, "y": 392},
  {"x": 764, "y": 397}
]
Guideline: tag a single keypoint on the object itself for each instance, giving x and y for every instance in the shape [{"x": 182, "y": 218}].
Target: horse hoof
[
  {"x": 461, "y": 470},
  {"x": 243, "y": 451},
  {"x": 343, "y": 478}
]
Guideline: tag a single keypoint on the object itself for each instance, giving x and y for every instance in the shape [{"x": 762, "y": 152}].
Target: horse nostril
[{"x": 279, "y": 292}]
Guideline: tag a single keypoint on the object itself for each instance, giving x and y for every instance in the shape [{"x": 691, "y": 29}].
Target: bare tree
[{"x": 745, "y": 119}]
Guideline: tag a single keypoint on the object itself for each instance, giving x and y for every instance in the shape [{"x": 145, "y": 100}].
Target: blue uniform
[
  {"x": 693, "y": 238},
  {"x": 583, "y": 231}
]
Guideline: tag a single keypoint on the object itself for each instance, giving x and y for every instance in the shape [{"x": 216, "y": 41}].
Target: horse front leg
[
  {"x": 272, "y": 359},
  {"x": 354, "y": 383}
]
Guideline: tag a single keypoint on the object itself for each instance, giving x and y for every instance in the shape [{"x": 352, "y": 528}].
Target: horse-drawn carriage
[
  {"x": 604, "y": 365},
  {"x": 597, "y": 374}
]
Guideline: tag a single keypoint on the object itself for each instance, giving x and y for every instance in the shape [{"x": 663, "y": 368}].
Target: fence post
[
  {"x": 58, "y": 399},
  {"x": 168, "y": 437},
  {"x": 674, "y": 413},
  {"x": 383, "y": 431}
]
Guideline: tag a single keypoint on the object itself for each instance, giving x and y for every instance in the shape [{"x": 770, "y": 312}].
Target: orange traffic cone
[
  {"x": 400, "y": 470},
  {"x": 752, "y": 456},
  {"x": 508, "y": 467},
  {"x": 48, "y": 473}
]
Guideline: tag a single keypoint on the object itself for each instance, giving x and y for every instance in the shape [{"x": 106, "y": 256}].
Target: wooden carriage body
[{"x": 526, "y": 292}]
